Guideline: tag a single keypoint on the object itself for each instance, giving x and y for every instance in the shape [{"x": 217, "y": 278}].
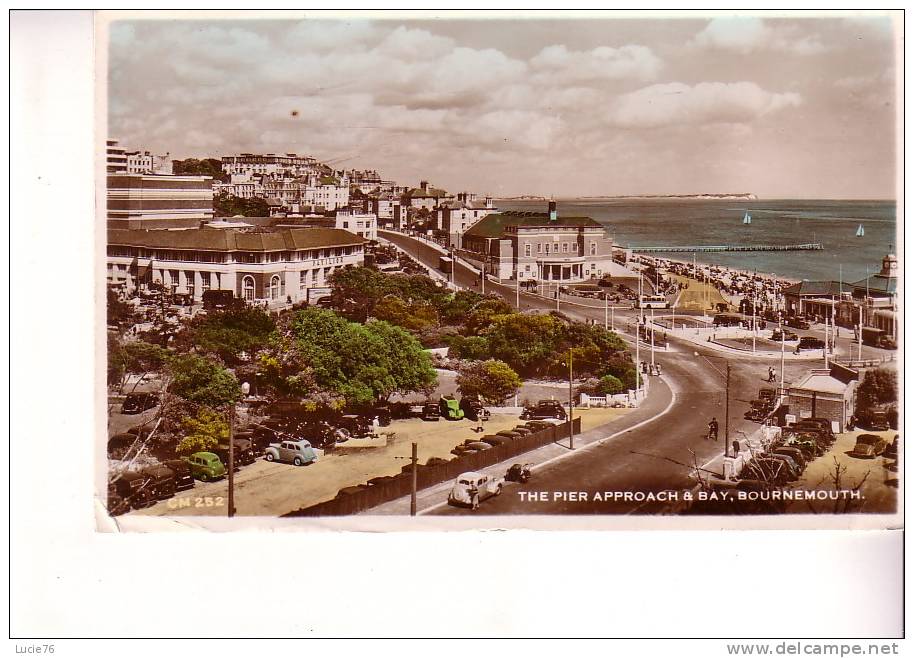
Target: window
[
  {"x": 564, "y": 247},
  {"x": 247, "y": 287},
  {"x": 527, "y": 268},
  {"x": 547, "y": 248},
  {"x": 593, "y": 248},
  {"x": 204, "y": 280},
  {"x": 527, "y": 250},
  {"x": 539, "y": 247},
  {"x": 574, "y": 247},
  {"x": 275, "y": 287}
]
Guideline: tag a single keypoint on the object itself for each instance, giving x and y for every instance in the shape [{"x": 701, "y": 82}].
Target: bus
[
  {"x": 446, "y": 264},
  {"x": 652, "y": 301}
]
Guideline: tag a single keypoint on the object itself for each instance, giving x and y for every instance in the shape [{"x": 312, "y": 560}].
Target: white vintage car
[
  {"x": 472, "y": 488},
  {"x": 293, "y": 452}
]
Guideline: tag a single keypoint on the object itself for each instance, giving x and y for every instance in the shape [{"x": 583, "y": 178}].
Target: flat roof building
[{"x": 151, "y": 201}]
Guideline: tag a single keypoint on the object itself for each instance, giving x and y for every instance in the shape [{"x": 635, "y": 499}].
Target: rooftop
[
  {"x": 229, "y": 239},
  {"x": 820, "y": 381},
  {"x": 495, "y": 225},
  {"x": 818, "y": 288}
]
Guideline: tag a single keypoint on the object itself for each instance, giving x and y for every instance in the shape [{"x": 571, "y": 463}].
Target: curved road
[{"x": 654, "y": 457}]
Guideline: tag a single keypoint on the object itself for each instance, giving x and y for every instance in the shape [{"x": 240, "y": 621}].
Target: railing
[{"x": 369, "y": 496}]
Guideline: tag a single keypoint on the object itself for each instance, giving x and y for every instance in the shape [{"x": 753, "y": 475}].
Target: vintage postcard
[{"x": 584, "y": 270}]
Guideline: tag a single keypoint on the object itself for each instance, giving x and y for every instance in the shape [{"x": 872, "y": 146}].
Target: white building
[
  {"x": 365, "y": 225},
  {"x": 144, "y": 162}
]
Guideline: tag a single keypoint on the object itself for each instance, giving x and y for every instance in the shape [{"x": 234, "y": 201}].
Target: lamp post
[{"x": 726, "y": 377}]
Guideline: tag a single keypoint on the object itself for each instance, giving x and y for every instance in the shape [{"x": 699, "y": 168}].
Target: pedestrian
[
  {"x": 712, "y": 429},
  {"x": 770, "y": 374},
  {"x": 658, "y": 369},
  {"x": 474, "y": 497}
]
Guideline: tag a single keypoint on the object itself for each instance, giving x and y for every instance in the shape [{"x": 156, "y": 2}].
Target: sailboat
[
  {"x": 860, "y": 232},
  {"x": 747, "y": 218}
]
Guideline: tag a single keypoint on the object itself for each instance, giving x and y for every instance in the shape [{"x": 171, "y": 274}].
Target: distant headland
[{"x": 742, "y": 196}]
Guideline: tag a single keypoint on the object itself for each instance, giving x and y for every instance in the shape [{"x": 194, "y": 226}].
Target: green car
[
  {"x": 450, "y": 408},
  {"x": 205, "y": 466}
]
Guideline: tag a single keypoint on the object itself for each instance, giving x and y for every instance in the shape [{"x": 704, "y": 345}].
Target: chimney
[
  {"x": 424, "y": 185},
  {"x": 553, "y": 214}
]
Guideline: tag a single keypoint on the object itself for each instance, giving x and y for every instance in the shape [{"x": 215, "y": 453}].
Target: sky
[{"x": 782, "y": 108}]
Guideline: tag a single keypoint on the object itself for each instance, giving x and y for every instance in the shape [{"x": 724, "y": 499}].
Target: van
[{"x": 471, "y": 488}]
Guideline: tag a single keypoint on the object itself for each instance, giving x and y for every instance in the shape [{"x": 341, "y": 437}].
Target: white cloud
[
  {"x": 603, "y": 63},
  {"x": 707, "y": 102},
  {"x": 749, "y": 34}
]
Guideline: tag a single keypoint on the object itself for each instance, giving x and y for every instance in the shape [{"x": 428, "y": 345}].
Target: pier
[{"x": 809, "y": 246}]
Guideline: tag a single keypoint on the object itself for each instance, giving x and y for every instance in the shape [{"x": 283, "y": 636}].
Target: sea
[{"x": 693, "y": 222}]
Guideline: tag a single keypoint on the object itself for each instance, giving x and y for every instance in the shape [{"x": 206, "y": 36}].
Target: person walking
[
  {"x": 712, "y": 429},
  {"x": 770, "y": 374}
]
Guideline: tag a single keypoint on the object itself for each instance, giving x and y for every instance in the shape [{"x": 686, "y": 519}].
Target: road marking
[{"x": 598, "y": 442}]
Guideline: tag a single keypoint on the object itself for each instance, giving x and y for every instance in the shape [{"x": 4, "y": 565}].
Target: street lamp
[{"x": 727, "y": 407}]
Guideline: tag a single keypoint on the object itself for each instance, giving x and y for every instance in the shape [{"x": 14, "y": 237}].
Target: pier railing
[{"x": 809, "y": 246}]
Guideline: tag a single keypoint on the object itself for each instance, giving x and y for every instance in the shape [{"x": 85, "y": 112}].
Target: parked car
[
  {"x": 544, "y": 409},
  {"x": 797, "y": 323},
  {"x": 162, "y": 481},
  {"x": 891, "y": 450},
  {"x": 822, "y": 424},
  {"x": 811, "y": 343},
  {"x": 878, "y": 421},
  {"x": 788, "y": 335},
  {"x": 769, "y": 394},
  {"x": 495, "y": 439},
  {"x": 773, "y": 471},
  {"x": 437, "y": 461},
  {"x": 538, "y": 425},
  {"x": 184, "y": 479},
  {"x": 449, "y": 408},
  {"x": 137, "y": 403},
  {"x": 473, "y": 409},
  {"x": 523, "y": 431},
  {"x": 793, "y": 469},
  {"x": 869, "y": 446},
  {"x": 795, "y": 453},
  {"x": 509, "y": 434},
  {"x": 808, "y": 447},
  {"x": 479, "y": 445},
  {"x": 205, "y": 466},
  {"x": 135, "y": 489},
  {"x": 758, "y": 410},
  {"x": 292, "y": 452},
  {"x": 117, "y": 504},
  {"x": 472, "y": 488},
  {"x": 431, "y": 411},
  {"x": 119, "y": 445}
]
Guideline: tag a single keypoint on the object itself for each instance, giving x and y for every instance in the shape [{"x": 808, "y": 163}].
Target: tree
[
  {"x": 135, "y": 357},
  {"x": 228, "y": 334},
  {"x": 203, "y": 381},
  {"x": 228, "y": 205},
  {"x": 418, "y": 316},
  {"x": 491, "y": 380},
  {"x": 206, "y": 167},
  {"x": 611, "y": 385},
  {"x": 525, "y": 342},
  {"x": 879, "y": 386},
  {"x": 356, "y": 291},
  {"x": 203, "y": 432},
  {"x": 362, "y": 363}
]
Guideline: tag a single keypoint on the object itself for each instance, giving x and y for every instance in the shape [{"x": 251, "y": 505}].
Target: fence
[{"x": 353, "y": 500}]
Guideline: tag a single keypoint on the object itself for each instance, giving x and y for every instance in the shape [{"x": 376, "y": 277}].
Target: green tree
[
  {"x": 361, "y": 362},
  {"x": 473, "y": 348},
  {"x": 206, "y": 167},
  {"x": 203, "y": 381},
  {"x": 203, "y": 431},
  {"x": 356, "y": 291},
  {"x": 418, "y": 316},
  {"x": 491, "y": 380},
  {"x": 525, "y": 342},
  {"x": 879, "y": 386},
  {"x": 611, "y": 385},
  {"x": 228, "y": 334}
]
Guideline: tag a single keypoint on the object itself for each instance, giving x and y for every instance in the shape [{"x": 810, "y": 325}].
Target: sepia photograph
[
  {"x": 496, "y": 323},
  {"x": 484, "y": 268}
]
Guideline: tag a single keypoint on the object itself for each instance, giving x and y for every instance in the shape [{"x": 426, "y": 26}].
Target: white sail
[
  {"x": 747, "y": 218},
  {"x": 860, "y": 232}
]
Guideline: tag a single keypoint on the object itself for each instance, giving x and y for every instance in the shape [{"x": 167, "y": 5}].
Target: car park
[
  {"x": 869, "y": 446},
  {"x": 184, "y": 479},
  {"x": 472, "y": 488},
  {"x": 137, "y": 403},
  {"x": 292, "y": 452},
  {"x": 205, "y": 466}
]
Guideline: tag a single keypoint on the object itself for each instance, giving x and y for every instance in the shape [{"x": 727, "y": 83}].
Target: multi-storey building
[
  {"x": 270, "y": 163},
  {"x": 149, "y": 201},
  {"x": 144, "y": 162},
  {"x": 364, "y": 225},
  {"x": 256, "y": 264},
  {"x": 455, "y": 217},
  {"x": 539, "y": 246},
  {"x": 425, "y": 197},
  {"x": 116, "y": 157}
]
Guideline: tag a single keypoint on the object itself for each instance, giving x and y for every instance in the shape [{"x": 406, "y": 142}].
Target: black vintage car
[
  {"x": 162, "y": 481},
  {"x": 473, "y": 409},
  {"x": 136, "y": 489},
  {"x": 117, "y": 504},
  {"x": 544, "y": 409},
  {"x": 137, "y": 403},
  {"x": 184, "y": 479},
  {"x": 244, "y": 453},
  {"x": 430, "y": 411},
  {"x": 797, "y": 323}
]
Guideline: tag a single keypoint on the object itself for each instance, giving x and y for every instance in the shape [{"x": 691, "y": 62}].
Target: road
[{"x": 655, "y": 457}]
